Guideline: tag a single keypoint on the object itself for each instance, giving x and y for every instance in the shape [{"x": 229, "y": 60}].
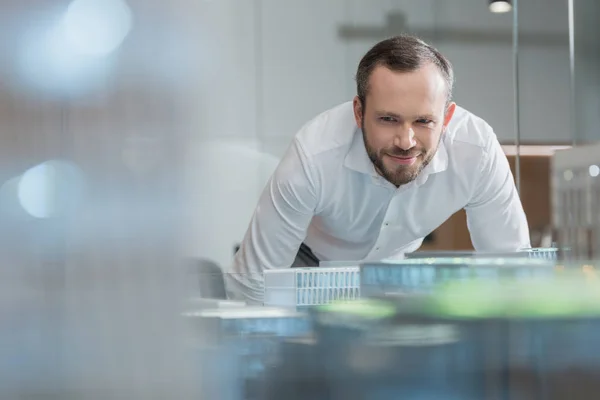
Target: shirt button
[{"x": 386, "y": 224}]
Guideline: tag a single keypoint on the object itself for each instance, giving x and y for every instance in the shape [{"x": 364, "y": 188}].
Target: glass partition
[{"x": 585, "y": 58}]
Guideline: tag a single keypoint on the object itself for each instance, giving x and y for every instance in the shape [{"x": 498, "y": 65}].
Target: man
[{"x": 368, "y": 180}]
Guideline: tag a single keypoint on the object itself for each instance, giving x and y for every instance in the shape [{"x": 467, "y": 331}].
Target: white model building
[{"x": 576, "y": 201}]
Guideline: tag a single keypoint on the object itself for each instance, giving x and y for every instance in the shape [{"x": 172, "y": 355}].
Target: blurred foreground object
[
  {"x": 469, "y": 340},
  {"x": 237, "y": 347},
  {"x": 95, "y": 117}
]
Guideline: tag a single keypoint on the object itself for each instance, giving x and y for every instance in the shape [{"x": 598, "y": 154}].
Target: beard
[{"x": 398, "y": 175}]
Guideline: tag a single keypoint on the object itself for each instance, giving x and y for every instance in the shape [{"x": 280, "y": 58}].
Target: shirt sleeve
[
  {"x": 278, "y": 226},
  {"x": 495, "y": 215}
]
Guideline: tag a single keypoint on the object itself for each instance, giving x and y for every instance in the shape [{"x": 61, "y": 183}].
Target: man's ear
[
  {"x": 358, "y": 111},
  {"x": 449, "y": 113}
]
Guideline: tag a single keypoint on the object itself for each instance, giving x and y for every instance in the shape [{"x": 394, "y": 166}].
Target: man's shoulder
[
  {"x": 332, "y": 130},
  {"x": 470, "y": 130}
]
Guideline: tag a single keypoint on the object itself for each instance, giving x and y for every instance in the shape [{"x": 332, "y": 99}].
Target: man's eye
[
  {"x": 387, "y": 119},
  {"x": 424, "y": 121}
]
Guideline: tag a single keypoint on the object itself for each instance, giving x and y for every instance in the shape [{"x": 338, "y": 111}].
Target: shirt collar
[
  {"x": 358, "y": 160},
  {"x": 439, "y": 163}
]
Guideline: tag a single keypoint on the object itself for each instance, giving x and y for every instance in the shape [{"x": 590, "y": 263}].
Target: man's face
[{"x": 403, "y": 120}]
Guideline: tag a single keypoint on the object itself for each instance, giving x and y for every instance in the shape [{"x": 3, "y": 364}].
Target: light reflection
[
  {"x": 96, "y": 27},
  {"x": 46, "y": 62},
  {"x": 50, "y": 189},
  {"x": 69, "y": 53},
  {"x": 500, "y": 6}
]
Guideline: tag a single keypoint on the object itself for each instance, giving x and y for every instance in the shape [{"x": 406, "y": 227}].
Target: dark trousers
[{"x": 305, "y": 258}]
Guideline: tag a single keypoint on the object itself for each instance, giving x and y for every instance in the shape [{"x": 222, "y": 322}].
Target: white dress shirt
[{"x": 326, "y": 193}]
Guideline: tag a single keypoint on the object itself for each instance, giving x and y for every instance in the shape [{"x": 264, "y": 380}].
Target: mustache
[{"x": 403, "y": 153}]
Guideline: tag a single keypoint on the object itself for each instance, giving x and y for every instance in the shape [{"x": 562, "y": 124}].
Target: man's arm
[
  {"x": 278, "y": 226},
  {"x": 495, "y": 215}
]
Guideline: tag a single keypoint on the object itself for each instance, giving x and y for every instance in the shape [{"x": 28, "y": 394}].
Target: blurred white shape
[
  {"x": 500, "y": 6},
  {"x": 47, "y": 62},
  {"x": 594, "y": 171},
  {"x": 34, "y": 190},
  {"x": 568, "y": 175},
  {"x": 69, "y": 53},
  {"x": 49, "y": 189},
  {"x": 96, "y": 27}
]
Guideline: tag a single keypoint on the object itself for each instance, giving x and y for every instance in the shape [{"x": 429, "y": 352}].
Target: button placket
[{"x": 390, "y": 215}]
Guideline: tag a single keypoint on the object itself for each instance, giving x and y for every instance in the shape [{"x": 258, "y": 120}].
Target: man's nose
[{"x": 405, "y": 139}]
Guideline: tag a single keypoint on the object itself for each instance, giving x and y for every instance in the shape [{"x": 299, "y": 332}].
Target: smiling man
[{"x": 368, "y": 180}]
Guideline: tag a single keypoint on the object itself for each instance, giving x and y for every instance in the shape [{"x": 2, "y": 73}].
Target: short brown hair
[{"x": 402, "y": 53}]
